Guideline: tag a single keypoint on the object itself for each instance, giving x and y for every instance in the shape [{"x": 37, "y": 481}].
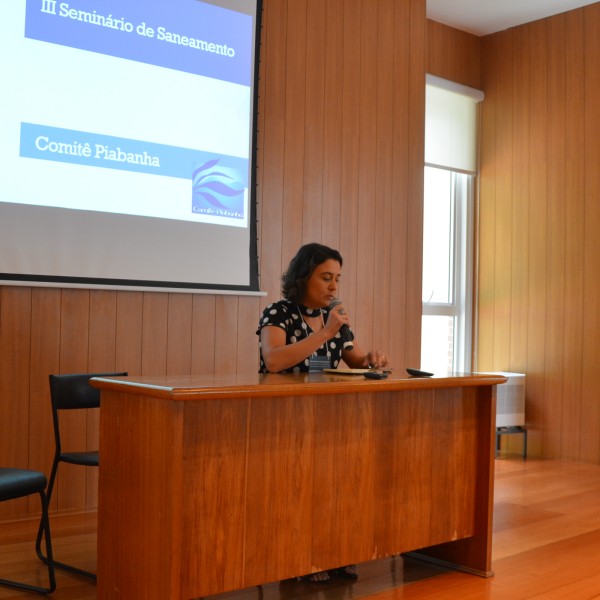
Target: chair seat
[
  {"x": 16, "y": 483},
  {"x": 89, "y": 458},
  {"x": 19, "y": 483}
]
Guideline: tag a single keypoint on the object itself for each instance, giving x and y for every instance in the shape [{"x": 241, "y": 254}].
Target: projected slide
[
  {"x": 125, "y": 107},
  {"x": 127, "y": 143}
]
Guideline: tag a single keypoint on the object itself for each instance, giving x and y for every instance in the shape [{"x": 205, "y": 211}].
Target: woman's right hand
[{"x": 336, "y": 318}]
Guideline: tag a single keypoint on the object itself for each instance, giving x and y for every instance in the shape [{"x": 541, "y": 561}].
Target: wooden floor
[{"x": 546, "y": 546}]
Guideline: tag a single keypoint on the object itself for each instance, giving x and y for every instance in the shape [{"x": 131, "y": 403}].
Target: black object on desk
[{"x": 418, "y": 373}]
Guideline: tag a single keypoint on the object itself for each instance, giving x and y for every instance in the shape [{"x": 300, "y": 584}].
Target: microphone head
[{"x": 335, "y": 302}]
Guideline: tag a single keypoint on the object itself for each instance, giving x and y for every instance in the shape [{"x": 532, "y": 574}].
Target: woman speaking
[{"x": 302, "y": 330}]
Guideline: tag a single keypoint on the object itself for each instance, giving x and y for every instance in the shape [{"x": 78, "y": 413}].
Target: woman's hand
[
  {"x": 376, "y": 359},
  {"x": 357, "y": 359},
  {"x": 335, "y": 320}
]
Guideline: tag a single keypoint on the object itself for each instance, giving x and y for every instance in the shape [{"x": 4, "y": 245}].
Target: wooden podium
[{"x": 209, "y": 484}]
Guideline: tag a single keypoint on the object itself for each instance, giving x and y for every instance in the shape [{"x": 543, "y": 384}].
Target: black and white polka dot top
[{"x": 287, "y": 315}]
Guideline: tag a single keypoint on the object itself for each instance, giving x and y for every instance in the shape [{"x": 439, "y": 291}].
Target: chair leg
[
  {"x": 38, "y": 540},
  {"x": 45, "y": 524},
  {"x": 497, "y": 443},
  {"x": 49, "y": 551},
  {"x": 38, "y": 543}
]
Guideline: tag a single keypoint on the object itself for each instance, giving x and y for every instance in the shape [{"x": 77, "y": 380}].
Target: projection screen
[{"x": 128, "y": 144}]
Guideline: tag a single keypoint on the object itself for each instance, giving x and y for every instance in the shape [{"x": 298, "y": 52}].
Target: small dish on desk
[{"x": 346, "y": 371}]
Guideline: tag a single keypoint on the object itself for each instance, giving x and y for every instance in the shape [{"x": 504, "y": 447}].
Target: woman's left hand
[
  {"x": 358, "y": 359},
  {"x": 376, "y": 360}
]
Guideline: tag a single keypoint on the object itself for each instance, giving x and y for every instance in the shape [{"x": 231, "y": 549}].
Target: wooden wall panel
[
  {"x": 589, "y": 154},
  {"x": 312, "y": 196},
  {"x": 539, "y": 250},
  {"x": 154, "y": 334},
  {"x": 203, "y": 334},
  {"x": 292, "y": 197},
  {"x": 414, "y": 195},
  {"x": 179, "y": 336},
  {"x": 366, "y": 230},
  {"x": 401, "y": 152},
  {"x": 453, "y": 54},
  {"x": 227, "y": 336},
  {"x": 486, "y": 243},
  {"x": 384, "y": 189},
  {"x": 128, "y": 351},
  {"x": 248, "y": 310},
  {"x": 555, "y": 218},
  {"x": 504, "y": 203},
  {"x": 340, "y": 161},
  {"x": 520, "y": 223},
  {"x": 574, "y": 225},
  {"x": 537, "y": 235},
  {"x": 334, "y": 75},
  {"x": 15, "y": 349}
]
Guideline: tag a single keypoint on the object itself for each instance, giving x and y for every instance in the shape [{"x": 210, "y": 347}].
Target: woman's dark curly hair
[{"x": 301, "y": 267}]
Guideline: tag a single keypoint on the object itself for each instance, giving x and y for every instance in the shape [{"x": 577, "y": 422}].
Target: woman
[
  {"x": 302, "y": 332},
  {"x": 303, "y": 325}
]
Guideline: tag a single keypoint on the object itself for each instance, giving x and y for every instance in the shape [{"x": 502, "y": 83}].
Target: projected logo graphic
[{"x": 218, "y": 190}]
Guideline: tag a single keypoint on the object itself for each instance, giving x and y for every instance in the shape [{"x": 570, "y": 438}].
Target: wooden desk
[{"x": 210, "y": 484}]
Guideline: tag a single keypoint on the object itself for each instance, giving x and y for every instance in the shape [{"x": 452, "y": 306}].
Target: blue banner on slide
[
  {"x": 185, "y": 35},
  {"x": 218, "y": 182}
]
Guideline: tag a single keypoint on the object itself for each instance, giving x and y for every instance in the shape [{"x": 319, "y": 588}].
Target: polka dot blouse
[{"x": 286, "y": 314}]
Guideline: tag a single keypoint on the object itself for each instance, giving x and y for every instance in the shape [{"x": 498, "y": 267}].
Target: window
[
  {"x": 449, "y": 181},
  {"x": 447, "y": 283}
]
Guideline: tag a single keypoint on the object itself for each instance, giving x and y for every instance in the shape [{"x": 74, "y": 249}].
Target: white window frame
[{"x": 460, "y": 307}]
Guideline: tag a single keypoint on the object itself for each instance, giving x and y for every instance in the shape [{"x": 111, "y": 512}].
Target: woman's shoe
[
  {"x": 348, "y": 572},
  {"x": 319, "y": 577}
]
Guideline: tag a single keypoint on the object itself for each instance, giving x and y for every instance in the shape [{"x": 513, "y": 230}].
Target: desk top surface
[{"x": 205, "y": 387}]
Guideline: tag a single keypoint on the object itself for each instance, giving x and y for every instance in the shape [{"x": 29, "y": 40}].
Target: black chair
[
  {"x": 70, "y": 392},
  {"x": 18, "y": 483}
]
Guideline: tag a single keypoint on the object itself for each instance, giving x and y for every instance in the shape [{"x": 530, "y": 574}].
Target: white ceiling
[{"x": 482, "y": 17}]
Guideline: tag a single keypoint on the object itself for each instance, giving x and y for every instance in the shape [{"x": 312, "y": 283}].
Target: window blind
[{"x": 451, "y": 125}]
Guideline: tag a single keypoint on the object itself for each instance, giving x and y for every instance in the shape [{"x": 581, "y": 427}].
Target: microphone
[{"x": 345, "y": 333}]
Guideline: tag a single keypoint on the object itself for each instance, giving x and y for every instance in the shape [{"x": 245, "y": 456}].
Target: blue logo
[{"x": 218, "y": 190}]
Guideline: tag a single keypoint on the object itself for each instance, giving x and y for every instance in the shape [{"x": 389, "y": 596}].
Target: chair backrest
[{"x": 74, "y": 391}]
